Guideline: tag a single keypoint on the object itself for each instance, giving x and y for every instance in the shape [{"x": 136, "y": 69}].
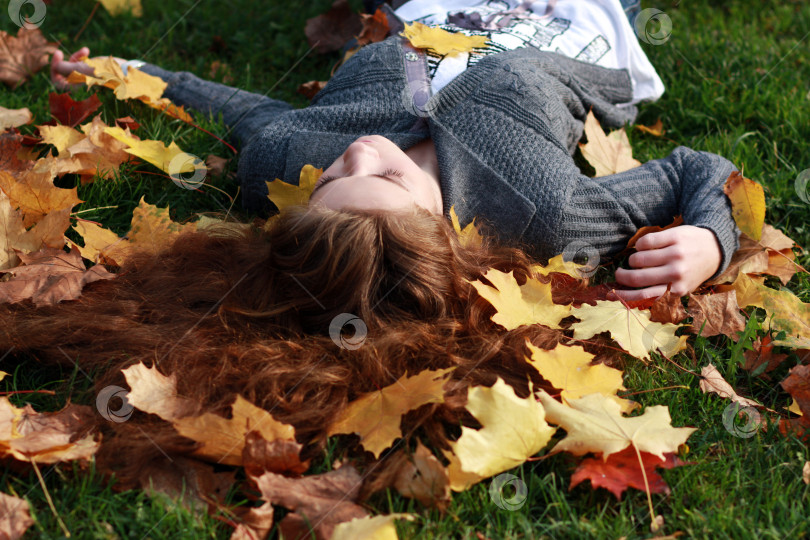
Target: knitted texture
[{"x": 504, "y": 130}]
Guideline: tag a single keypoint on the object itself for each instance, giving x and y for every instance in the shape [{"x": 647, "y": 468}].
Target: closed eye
[{"x": 387, "y": 173}]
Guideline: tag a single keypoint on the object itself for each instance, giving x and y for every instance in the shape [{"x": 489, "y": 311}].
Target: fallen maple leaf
[
  {"x": 369, "y": 528},
  {"x": 283, "y": 194},
  {"x": 152, "y": 228},
  {"x": 155, "y": 393},
  {"x": 117, "y": 7},
  {"x": 667, "y": 308},
  {"x": 594, "y": 424},
  {"x": 14, "y": 517},
  {"x": 622, "y": 470},
  {"x": 49, "y": 231},
  {"x": 656, "y": 130},
  {"x": 713, "y": 382},
  {"x": 422, "y": 477},
  {"x": 319, "y": 502},
  {"x": 608, "y": 154},
  {"x": 715, "y": 314},
  {"x": 441, "y": 41},
  {"x": 311, "y": 88},
  {"x": 331, "y": 30},
  {"x": 376, "y": 416},
  {"x": 513, "y": 429},
  {"x": 469, "y": 235},
  {"x": 192, "y": 482},
  {"x": 806, "y": 472},
  {"x": 23, "y": 55},
  {"x": 784, "y": 310},
  {"x": 169, "y": 159},
  {"x": 278, "y": 456},
  {"x": 761, "y": 359},
  {"x": 375, "y": 27},
  {"x": 797, "y": 384},
  {"x": 49, "y": 276},
  {"x": 223, "y": 439},
  {"x": 47, "y": 438},
  {"x": 631, "y": 328},
  {"x": 11, "y": 118},
  {"x": 69, "y": 112},
  {"x": 747, "y": 204},
  {"x": 643, "y": 231},
  {"x": 35, "y": 194},
  {"x": 516, "y": 305},
  {"x": 559, "y": 265},
  {"x": 569, "y": 369}
]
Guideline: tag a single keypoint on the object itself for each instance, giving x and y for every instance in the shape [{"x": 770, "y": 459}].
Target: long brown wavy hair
[{"x": 248, "y": 311}]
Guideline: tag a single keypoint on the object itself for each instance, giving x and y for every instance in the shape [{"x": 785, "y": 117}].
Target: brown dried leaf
[
  {"x": 11, "y": 118},
  {"x": 714, "y": 314},
  {"x": 309, "y": 89},
  {"x": 321, "y": 501},
  {"x": 23, "y": 55},
  {"x": 49, "y": 276},
  {"x": 46, "y": 437},
  {"x": 713, "y": 382},
  {"x": 278, "y": 456},
  {"x": 14, "y": 517},
  {"x": 797, "y": 384},
  {"x": 667, "y": 308},
  {"x": 331, "y": 30},
  {"x": 422, "y": 477},
  {"x": 762, "y": 353},
  {"x": 375, "y": 28},
  {"x": 750, "y": 258}
]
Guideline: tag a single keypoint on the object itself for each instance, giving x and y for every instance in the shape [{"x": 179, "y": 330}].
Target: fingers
[
  {"x": 654, "y": 257},
  {"x": 81, "y": 53},
  {"x": 657, "y": 240},
  {"x": 646, "y": 277},
  {"x": 638, "y": 294}
]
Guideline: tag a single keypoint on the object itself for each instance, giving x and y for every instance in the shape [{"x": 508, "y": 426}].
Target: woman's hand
[
  {"x": 60, "y": 68},
  {"x": 684, "y": 256}
]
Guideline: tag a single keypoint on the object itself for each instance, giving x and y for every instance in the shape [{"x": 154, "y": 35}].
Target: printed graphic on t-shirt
[{"x": 505, "y": 30}]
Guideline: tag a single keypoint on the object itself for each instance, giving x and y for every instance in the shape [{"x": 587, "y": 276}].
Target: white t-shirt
[{"x": 595, "y": 31}]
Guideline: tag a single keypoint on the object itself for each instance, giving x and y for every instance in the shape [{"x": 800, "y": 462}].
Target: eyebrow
[{"x": 397, "y": 182}]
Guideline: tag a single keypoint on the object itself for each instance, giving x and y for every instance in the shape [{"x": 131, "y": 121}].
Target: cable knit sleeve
[
  {"x": 244, "y": 112},
  {"x": 606, "y": 211}
]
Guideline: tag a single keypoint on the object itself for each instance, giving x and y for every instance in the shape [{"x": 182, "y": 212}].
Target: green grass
[{"x": 737, "y": 76}]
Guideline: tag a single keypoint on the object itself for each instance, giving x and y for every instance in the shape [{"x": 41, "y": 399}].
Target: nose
[{"x": 361, "y": 158}]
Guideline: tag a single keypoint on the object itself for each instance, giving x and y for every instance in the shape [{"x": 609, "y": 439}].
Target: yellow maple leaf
[
  {"x": 170, "y": 159},
  {"x": 784, "y": 311},
  {"x": 594, "y": 423},
  {"x": 35, "y": 194},
  {"x": 117, "y": 7},
  {"x": 570, "y": 370},
  {"x": 516, "y": 305},
  {"x": 513, "y": 429},
  {"x": 629, "y": 327},
  {"x": 441, "y": 41},
  {"x": 560, "y": 265},
  {"x": 283, "y": 194},
  {"x": 369, "y": 528},
  {"x": 469, "y": 236},
  {"x": 747, "y": 204},
  {"x": 608, "y": 154},
  {"x": 48, "y": 231},
  {"x": 223, "y": 439},
  {"x": 376, "y": 416},
  {"x": 62, "y": 137}
]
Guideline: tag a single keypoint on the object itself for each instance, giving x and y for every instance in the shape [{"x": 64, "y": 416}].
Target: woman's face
[{"x": 373, "y": 173}]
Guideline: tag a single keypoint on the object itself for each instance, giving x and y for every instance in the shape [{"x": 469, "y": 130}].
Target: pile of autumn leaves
[{"x": 623, "y": 451}]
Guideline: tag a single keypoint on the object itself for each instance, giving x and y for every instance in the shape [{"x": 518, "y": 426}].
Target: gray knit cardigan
[{"x": 505, "y": 131}]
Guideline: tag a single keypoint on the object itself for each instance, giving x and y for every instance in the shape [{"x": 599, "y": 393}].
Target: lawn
[{"x": 737, "y": 76}]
